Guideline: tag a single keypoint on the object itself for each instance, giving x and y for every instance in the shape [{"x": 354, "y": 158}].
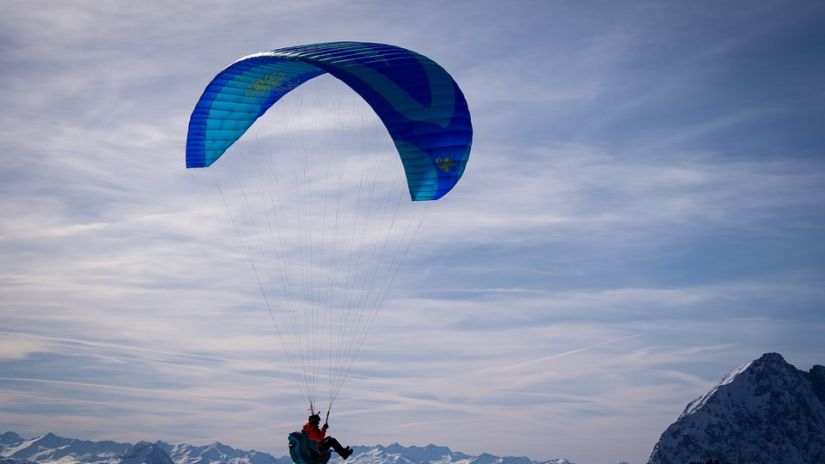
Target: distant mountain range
[
  {"x": 52, "y": 449},
  {"x": 766, "y": 412}
]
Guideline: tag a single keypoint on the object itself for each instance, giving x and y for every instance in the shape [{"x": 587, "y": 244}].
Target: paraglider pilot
[{"x": 319, "y": 436}]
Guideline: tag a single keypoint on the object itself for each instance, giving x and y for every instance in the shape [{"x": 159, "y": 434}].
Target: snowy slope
[
  {"x": 217, "y": 453},
  {"x": 431, "y": 454},
  {"x": 766, "y": 412},
  {"x": 52, "y": 449}
]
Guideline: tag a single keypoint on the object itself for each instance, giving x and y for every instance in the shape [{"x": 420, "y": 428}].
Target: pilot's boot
[{"x": 330, "y": 442}]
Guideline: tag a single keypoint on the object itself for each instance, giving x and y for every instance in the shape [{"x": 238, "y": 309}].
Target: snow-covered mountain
[
  {"x": 765, "y": 412},
  {"x": 432, "y": 454},
  {"x": 52, "y": 449}
]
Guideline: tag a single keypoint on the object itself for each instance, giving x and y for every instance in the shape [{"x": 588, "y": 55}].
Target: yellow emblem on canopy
[
  {"x": 265, "y": 84},
  {"x": 445, "y": 163}
]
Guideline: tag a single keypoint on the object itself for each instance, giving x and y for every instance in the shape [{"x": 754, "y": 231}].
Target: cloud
[{"x": 19, "y": 347}]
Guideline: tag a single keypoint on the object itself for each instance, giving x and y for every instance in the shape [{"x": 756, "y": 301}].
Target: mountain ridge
[{"x": 54, "y": 449}]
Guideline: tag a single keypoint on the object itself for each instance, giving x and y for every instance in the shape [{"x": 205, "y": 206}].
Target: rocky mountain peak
[
  {"x": 10, "y": 439},
  {"x": 765, "y": 411},
  {"x": 145, "y": 453}
]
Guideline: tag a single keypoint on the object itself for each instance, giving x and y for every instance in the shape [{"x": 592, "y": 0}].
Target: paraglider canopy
[
  {"x": 324, "y": 226},
  {"x": 419, "y": 103}
]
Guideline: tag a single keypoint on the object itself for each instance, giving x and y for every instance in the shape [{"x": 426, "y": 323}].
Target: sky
[{"x": 643, "y": 211}]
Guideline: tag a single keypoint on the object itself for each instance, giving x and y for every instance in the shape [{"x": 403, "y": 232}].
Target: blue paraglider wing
[{"x": 419, "y": 103}]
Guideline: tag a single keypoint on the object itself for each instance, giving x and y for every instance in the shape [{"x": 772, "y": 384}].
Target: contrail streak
[{"x": 566, "y": 353}]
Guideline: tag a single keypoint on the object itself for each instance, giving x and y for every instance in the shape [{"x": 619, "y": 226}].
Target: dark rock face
[
  {"x": 10, "y": 439},
  {"x": 14, "y": 461},
  {"x": 766, "y": 412},
  {"x": 145, "y": 453},
  {"x": 817, "y": 378}
]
